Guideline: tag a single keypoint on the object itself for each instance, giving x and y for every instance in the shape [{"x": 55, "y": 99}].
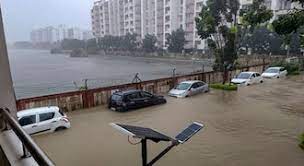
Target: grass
[
  {"x": 229, "y": 87},
  {"x": 301, "y": 144}
]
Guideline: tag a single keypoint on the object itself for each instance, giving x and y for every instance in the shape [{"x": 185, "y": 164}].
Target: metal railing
[{"x": 30, "y": 148}]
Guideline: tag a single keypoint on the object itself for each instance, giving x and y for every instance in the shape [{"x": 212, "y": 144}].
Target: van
[{"x": 43, "y": 119}]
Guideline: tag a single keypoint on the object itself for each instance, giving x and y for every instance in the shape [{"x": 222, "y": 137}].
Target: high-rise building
[
  {"x": 52, "y": 34},
  {"x": 157, "y": 17}
]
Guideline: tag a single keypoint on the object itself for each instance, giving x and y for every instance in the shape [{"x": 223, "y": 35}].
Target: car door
[
  {"x": 252, "y": 79},
  {"x": 283, "y": 72},
  {"x": 201, "y": 87},
  {"x": 194, "y": 89},
  {"x": 148, "y": 98},
  {"x": 129, "y": 100},
  {"x": 46, "y": 122},
  {"x": 258, "y": 77},
  {"x": 28, "y": 123},
  {"x": 136, "y": 100}
]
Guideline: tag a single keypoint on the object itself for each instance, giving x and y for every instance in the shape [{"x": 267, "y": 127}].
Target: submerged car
[
  {"x": 275, "y": 72},
  {"x": 133, "y": 99},
  {"x": 189, "y": 88},
  {"x": 247, "y": 78},
  {"x": 43, "y": 119}
]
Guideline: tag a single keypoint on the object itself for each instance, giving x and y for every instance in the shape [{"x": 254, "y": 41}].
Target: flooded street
[{"x": 257, "y": 125}]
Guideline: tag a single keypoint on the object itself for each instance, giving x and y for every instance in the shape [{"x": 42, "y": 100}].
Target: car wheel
[
  {"x": 60, "y": 128},
  {"x": 261, "y": 81},
  {"x": 278, "y": 76}
]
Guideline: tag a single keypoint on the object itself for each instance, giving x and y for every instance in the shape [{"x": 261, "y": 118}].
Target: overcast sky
[{"x": 21, "y": 16}]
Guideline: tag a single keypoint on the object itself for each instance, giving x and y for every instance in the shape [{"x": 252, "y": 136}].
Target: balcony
[{"x": 17, "y": 147}]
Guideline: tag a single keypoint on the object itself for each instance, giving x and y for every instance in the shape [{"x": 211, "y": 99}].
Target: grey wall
[{"x": 7, "y": 95}]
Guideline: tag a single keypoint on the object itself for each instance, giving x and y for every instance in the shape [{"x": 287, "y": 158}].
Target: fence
[{"x": 95, "y": 97}]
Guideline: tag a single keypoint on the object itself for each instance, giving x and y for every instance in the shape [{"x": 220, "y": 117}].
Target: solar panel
[
  {"x": 142, "y": 132},
  {"x": 187, "y": 133}
]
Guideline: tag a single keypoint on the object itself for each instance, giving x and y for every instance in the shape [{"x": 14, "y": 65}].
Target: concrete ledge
[{"x": 12, "y": 147}]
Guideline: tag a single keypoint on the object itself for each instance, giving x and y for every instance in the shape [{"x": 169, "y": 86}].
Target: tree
[
  {"x": 130, "y": 41},
  {"x": 252, "y": 18},
  {"x": 217, "y": 23},
  {"x": 70, "y": 44},
  {"x": 176, "y": 40},
  {"x": 289, "y": 24},
  {"x": 149, "y": 43}
]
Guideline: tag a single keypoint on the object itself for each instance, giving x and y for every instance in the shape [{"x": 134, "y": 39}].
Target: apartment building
[
  {"x": 158, "y": 17},
  {"x": 47, "y": 34},
  {"x": 52, "y": 34}
]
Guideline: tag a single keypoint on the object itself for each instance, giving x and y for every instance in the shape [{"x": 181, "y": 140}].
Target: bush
[
  {"x": 301, "y": 144},
  {"x": 230, "y": 87}
]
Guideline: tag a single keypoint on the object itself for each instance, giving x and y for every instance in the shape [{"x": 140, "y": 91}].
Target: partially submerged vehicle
[{"x": 247, "y": 78}]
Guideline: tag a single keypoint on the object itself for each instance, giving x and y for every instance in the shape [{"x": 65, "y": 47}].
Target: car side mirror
[{"x": 191, "y": 89}]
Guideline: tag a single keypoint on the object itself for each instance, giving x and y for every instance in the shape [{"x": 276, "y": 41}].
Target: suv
[
  {"x": 133, "y": 99},
  {"x": 43, "y": 119}
]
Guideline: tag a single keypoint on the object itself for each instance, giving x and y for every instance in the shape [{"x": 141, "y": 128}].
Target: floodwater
[
  {"x": 257, "y": 125},
  {"x": 37, "y": 72}
]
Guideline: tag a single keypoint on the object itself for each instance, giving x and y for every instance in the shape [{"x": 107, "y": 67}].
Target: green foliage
[
  {"x": 176, "y": 40},
  {"x": 256, "y": 14},
  {"x": 213, "y": 24},
  {"x": 149, "y": 43},
  {"x": 70, "y": 44},
  {"x": 263, "y": 41},
  {"x": 254, "y": 17},
  {"x": 301, "y": 144},
  {"x": 229, "y": 87},
  {"x": 299, "y": 1},
  {"x": 127, "y": 42},
  {"x": 289, "y": 23}
]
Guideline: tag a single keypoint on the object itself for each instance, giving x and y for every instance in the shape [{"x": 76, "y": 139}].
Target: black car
[{"x": 133, "y": 99}]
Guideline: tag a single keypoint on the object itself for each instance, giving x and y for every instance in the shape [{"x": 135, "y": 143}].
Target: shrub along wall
[{"x": 70, "y": 101}]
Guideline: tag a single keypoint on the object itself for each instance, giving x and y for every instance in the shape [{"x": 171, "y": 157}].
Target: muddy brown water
[{"x": 257, "y": 125}]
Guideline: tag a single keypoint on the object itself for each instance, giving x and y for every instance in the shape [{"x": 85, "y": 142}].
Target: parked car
[
  {"x": 275, "y": 72},
  {"x": 43, "y": 119},
  {"x": 189, "y": 88},
  {"x": 247, "y": 78},
  {"x": 133, "y": 99}
]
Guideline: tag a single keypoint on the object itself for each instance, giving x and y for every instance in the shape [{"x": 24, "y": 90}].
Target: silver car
[{"x": 189, "y": 88}]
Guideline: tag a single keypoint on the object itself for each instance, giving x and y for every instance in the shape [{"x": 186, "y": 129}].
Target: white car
[
  {"x": 247, "y": 78},
  {"x": 275, "y": 72},
  {"x": 43, "y": 119},
  {"x": 189, "y": 88}
]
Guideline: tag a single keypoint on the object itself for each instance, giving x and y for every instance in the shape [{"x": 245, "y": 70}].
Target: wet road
[{"x": 257, "y": 125}]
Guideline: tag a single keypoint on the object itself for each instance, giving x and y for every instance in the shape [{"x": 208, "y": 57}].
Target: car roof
[
  {"x": 191, "y": 81},
  {"x": 37, "y": 110},
  {"x": 275, "y": 67},
  {"x": 126, "y": 92},
  {"x": 250, "y": 72}
]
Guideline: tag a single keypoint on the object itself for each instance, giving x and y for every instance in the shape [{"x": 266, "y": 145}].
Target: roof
[
  {"x": 37, "y": 110},
  {"x": 278, "y": 68},
  {"x": 250, "y": 72},
  {"x": 190, "y": 81},
  {"x": 126, "y": 92}
]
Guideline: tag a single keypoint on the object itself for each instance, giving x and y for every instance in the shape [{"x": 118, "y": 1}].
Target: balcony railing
[{"x": 30, "y": 148}]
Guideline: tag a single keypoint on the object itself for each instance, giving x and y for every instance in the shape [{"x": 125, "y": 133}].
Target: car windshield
[
  {"x": 183, "y": 86},
  {"x": 272, "y": 71},
  {"x": 243, "y": 76}
]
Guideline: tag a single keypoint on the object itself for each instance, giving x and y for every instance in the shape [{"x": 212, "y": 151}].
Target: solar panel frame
[
  {"x": 191, "y": 130},
  {"x": 142, "y": 132}
]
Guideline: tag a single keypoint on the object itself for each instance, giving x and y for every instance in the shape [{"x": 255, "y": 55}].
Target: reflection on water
[{"x": 257, "y": 125}]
